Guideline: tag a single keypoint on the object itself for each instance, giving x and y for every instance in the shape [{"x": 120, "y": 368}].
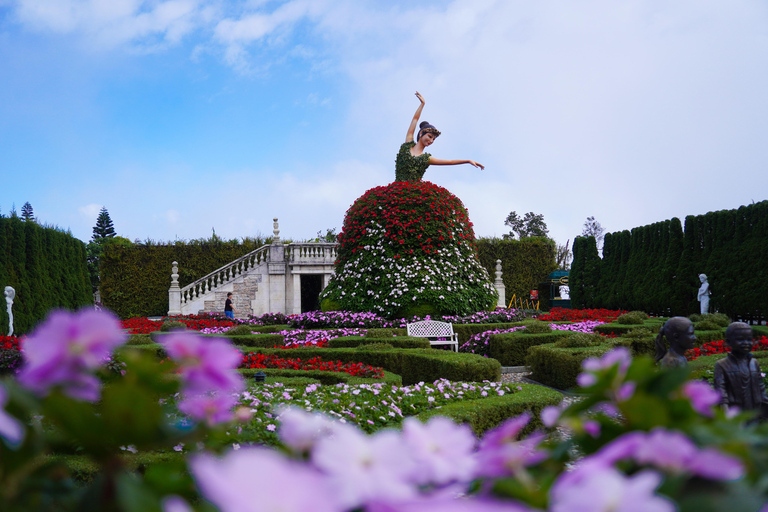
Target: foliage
[
  {"x": 593, "y": 228},
  {"x": 135, "y": 279},
  {"x": 524, "y": 263},
  {"x": 104, "y": 227},
  {"x": 579, "y": 340},
  {"x": 27, "y": 214},
  {"x": 45, "y": 266},
  {"x": 631, "y": 318},
  {"x": 409, "y": 245},
  {"x": 655, "y": 268},
  {"x": 172, "y": 325},
  {"x": 531, "y": 225},
  {"x": 536, "y": 327}
]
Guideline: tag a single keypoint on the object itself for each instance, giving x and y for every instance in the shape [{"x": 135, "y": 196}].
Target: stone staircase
[{"x": 244, "y": 291}]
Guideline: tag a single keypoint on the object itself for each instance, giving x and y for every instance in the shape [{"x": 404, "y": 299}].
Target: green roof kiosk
[{"x": 559, "y": 291}]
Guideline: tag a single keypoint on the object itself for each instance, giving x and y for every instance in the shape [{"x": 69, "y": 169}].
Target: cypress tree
[
  {"x": 576, "y": 275},
  {"x": 674, "y": 304}
]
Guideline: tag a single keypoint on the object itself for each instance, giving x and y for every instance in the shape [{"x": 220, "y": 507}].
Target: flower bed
[
  {"x": 479, "y": 343},
  {"x": 10, "y": 343},
  {"x": 721, "y": 347},
  {"x": 578, "y": 315},
  {"x": 254, "y": 361}
]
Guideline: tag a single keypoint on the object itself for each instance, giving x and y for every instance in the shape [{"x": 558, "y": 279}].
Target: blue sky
[{"x": 183, "y": 116}]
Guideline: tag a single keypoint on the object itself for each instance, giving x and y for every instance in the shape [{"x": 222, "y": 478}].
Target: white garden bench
[{"x": 438, "y": 333}]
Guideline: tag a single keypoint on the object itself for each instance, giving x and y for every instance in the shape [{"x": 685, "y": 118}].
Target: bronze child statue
[
  {"x": 738, "y": 378},
  {"x": 679, "y": 332}
]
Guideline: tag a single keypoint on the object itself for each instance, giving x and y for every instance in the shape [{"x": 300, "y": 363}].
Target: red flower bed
[
  {"x": 579, "y": 315},
  {"x": 10, "y": 343},
  {"x": 254, "y": 360},
  {"x": 143, "y": 325},
  {"x": 721, "y": 347}
]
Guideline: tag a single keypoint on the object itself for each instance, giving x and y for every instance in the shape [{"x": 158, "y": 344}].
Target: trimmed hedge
[
  {"x": 140, "y": 339},
  {"x": 241, "y": 340},
  {"x": 653, "y": 325},
  {"x": 487, "y": 413},
  {"x": 704, "y": 367},
  {"x": 398, "y": 342},
  {"x": 327, "y": 378},
  {"x": 386, "y": 333},
  {"x": 466, "y": 331},
  {"x": 511, "y": 348},
  {"x": 413, "y": 365},
  {"x": 559, "y": 367}
]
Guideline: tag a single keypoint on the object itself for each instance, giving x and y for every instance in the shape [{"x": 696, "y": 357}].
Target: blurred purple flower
[
  {"x": 212, "y": 408},
  {"x": 365, "y": 468},
  {"x": 175, "y": 503},
  {"x": 702, "y": 396},
  {"x": 205, "y": 364},
  {"x": 10, "y": 428},
  {"x": 300, "y": 430},
  {"x": 66, "y": 348},
  {"x": 442, "y": 504},
  {"x": 550, "y": 414},
  {"x": 601, "y": 488},
  {"x": 443, "y": 450},
  {"x": 500, "y": 454},
  {"x": 625, "y": 391},
  {"x": 672, "y": 452},
  {"x": 619, "y": 355},
  {"x": 256, "y": 479}
]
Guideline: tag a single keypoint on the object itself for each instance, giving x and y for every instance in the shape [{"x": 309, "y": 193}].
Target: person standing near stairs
[{"x": 229, "y": 308}]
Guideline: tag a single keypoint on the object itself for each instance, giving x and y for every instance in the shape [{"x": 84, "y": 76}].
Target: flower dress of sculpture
[{"x": 408, "y": 248}]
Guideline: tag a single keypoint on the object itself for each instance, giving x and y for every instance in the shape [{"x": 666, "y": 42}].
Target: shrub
[
  {"x": 139, "y": 339},
  {"x": 639, "y": 332},
  {"x": 241, "y": 330},
  {"x": 707, "y": 325},
  {"x": 559, "y": 367},
  {"x": 375, "y": 347},
  {"x": 511, "y": 349},
  {"x": 536, "y": 327},
  {"x": 483, "y": 415},
  {"x": 632, "y": 318},
  {"x": 579, "y": 340},
  {"x": 385, "y": 333},
  {"x": 172, "y": 325},
  {"x": 398, "y": 342}
]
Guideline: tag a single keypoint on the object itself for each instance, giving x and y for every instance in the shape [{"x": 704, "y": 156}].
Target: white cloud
[{"x": 90, "y": 212}]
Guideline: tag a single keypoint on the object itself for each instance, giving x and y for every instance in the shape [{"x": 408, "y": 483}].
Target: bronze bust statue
[
  {"x": 679, "y": 332},
  {"x": 737, "y": 376}
]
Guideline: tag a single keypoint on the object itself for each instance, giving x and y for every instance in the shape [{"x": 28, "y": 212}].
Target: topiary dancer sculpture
[{"x": 408, "y": 248}]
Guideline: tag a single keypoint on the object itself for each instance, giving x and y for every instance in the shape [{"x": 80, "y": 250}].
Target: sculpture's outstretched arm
[
  {"x": 415, "y": 120},
  {"x": 440, "y": 161}
]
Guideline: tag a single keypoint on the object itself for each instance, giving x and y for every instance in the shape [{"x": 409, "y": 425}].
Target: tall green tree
[
  {"x": 27, "y": 213},
  {"x": 104, "y": 227}
]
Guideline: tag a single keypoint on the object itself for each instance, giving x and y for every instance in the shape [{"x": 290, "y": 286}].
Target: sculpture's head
[
  {"x": 9, "y": 292},
  {"x": 679, "y": 332},
  {"x": 428, "y": 132},
  {"x": 740, "y": 337},
  {"x": 702, "y": 277}
]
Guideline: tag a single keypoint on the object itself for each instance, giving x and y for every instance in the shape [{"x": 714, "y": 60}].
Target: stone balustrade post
[
  {"x": 499, "y": 284},
  {"x": 174, "y": 292}
]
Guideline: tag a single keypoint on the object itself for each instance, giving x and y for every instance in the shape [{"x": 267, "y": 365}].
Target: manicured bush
[
  {"x": 10, "y": 361},
  {"x": 632, "y": 318},
  {"x": 559, "y": 367},
  {"x": 398, "y": 342},
  {"x": 652, "y": 324},
  {"x": 536, "y": 327},
  {"x": 240, "y": 330},
  {"x": 707, "y": 325},
  {"x": 269, "y": 329},
  {"x": 385, "y": 333},
  {"x": 466, "y": 331},
  {"x": 511, "y": 349},
  {"x": 580, "y": 340},
  {"x": 297, "y": 377},
  {"x": 707, "y": 336},
  {"x": 483, "y": 415},
  {"x": 172, "y": 325},
  {"x": 375, "y": 346},
  {"x": 139, "y": 339},
  {"x": 413, "y": 365}
]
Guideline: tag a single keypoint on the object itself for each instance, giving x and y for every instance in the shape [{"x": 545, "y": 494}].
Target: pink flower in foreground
[
  {"x": 443, "y": 450},
  {"x": 366, "y": 468},
  {"x": 300, "y": 430},
  {"x": 261, "y": 480},
  {"x": 599, "y": 488},
  {"x": 702, "y": 396},
  {"x": 206, "y": 364},
  {"x": 442, "y": 504},
  {"x": 501, "y": 454},
  {"x": 10, "y": 427},
  {"x": 65, "y": 350},
  {"x": 213, "y": 408}
]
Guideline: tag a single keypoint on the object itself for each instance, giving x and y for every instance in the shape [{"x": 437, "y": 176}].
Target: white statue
[
  {"x": 704, "y": 294},
  {"x": 10, "y": 294},
  {"x": 565, "y": 292}
]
